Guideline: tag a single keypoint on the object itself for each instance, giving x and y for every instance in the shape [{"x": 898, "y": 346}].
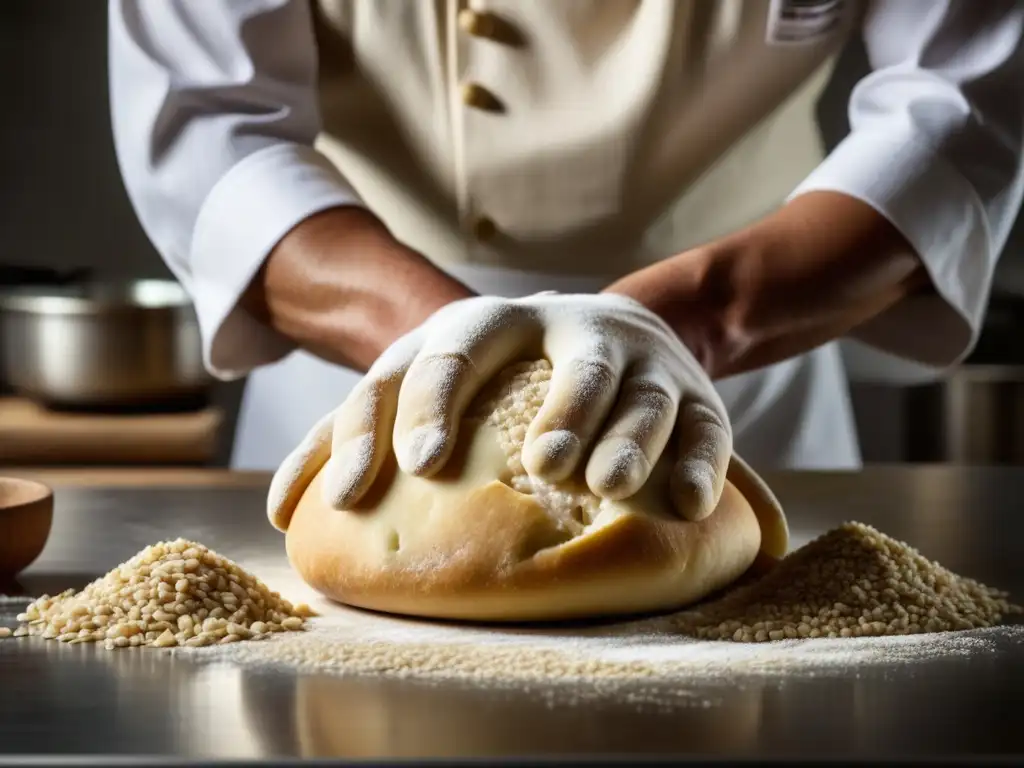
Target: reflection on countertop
[{"x": 82, "y": 699}]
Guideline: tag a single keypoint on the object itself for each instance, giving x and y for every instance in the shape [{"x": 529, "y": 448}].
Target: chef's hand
[{"x": 621, "y": 381}]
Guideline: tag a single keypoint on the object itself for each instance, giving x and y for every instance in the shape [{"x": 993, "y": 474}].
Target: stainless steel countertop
[{"x": 64, "y": 699}]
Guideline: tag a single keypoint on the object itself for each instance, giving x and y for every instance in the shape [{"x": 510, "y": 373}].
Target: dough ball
[{"x": 483, "y": 541}]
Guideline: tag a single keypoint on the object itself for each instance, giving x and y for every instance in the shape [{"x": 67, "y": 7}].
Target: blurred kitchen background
[{"x": 64, "y": 211}]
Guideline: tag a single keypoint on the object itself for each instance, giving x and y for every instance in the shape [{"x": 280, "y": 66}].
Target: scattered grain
[{"x": 650, "y": 653}]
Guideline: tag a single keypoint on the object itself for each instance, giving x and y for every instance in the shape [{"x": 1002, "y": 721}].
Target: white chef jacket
[{"x": 218, "y": 115}]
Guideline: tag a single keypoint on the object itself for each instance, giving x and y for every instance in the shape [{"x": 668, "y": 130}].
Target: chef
[{"x": 426, "y": 190}]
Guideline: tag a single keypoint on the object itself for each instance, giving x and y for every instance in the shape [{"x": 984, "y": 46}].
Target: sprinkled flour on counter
[
  {"x": 848, "y": 600},
  {"x": 648, "y": 652}
]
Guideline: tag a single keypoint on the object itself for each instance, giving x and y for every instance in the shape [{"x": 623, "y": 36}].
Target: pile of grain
[
  {"x": 851, "y": 582},
  {"x": 174, "y": 593}
]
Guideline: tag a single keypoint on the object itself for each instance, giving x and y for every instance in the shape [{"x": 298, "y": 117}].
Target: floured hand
[{"x": 621, "y": 381}]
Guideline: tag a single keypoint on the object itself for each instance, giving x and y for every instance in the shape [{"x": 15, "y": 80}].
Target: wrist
[
  {"x": 696, "y": 294},
  {"x": 801, "y": 277},
  {"x": 341, "y": 286}
]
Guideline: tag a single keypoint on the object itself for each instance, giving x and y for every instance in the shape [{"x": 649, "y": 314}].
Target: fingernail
[
  {"x": 693, "y": 489},
  {"x": 347, "y": 471},
  {"x": 422, "y": 448},
  {"x": 553, "y": 455},
  {"x": 617, "y": 469}
]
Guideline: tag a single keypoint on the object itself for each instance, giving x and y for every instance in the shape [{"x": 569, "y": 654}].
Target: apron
[{"x": 527, "y": 145}]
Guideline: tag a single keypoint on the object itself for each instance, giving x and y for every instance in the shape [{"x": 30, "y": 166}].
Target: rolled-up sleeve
[
  {"x": 214, "y": 113},
  {"x": 936, "y": 147}
]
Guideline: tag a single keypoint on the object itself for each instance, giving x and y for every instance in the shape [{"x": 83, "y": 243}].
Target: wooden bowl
[{"x": 26, "y": 515}]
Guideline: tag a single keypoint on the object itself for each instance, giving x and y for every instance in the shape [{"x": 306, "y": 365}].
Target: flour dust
[{"x": 647, "y": 660}]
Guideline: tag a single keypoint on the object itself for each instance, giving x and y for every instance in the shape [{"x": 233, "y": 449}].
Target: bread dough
[{"x": 482, "y": 541}]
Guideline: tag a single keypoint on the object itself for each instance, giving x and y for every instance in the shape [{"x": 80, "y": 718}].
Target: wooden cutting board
[{"x": 31, "y": 434}]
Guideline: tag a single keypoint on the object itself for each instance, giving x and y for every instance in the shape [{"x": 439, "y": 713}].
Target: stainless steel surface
[
  {"x": 78, "y": 699},
  {"x": 99, "y": 344},
  {"x": 975, "y": 416}
]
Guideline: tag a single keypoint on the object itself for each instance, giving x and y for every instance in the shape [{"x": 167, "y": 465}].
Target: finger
[
  {"x": 362, "y": 439},
  {"x": 296, "y": 472},
  {"x": 445, "y": 376},
  {"x": 584, "y": 384},
  {"x": 638, "y": 431},
  {"x": 705, "y": 446},
  {"x": 363, "y": 425}
]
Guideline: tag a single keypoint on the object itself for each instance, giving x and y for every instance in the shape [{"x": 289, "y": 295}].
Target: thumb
[{"x": 297, "y": 471}]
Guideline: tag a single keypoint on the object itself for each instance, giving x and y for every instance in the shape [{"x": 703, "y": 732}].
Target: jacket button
[
  {"x": 491, "y": 27},
  {"x": 476, "y": 23},
  {"x": 475, "y": 95},
  {"x": 484, "y": 229}
]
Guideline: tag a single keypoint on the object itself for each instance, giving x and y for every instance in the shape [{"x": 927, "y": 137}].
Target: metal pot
[
  {"x": 12, "y": 276},
  {"x": 102, "y": 344},
  {"x": 975, "y": 416}
]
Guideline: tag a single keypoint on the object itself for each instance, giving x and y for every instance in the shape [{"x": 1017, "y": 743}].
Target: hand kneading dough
[{"x": 481, "y": 541}]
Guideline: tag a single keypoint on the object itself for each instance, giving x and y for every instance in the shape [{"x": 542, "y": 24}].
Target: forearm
[
  {"x": 819, "y": 267},
  {"x": 342, "y": 287}
]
